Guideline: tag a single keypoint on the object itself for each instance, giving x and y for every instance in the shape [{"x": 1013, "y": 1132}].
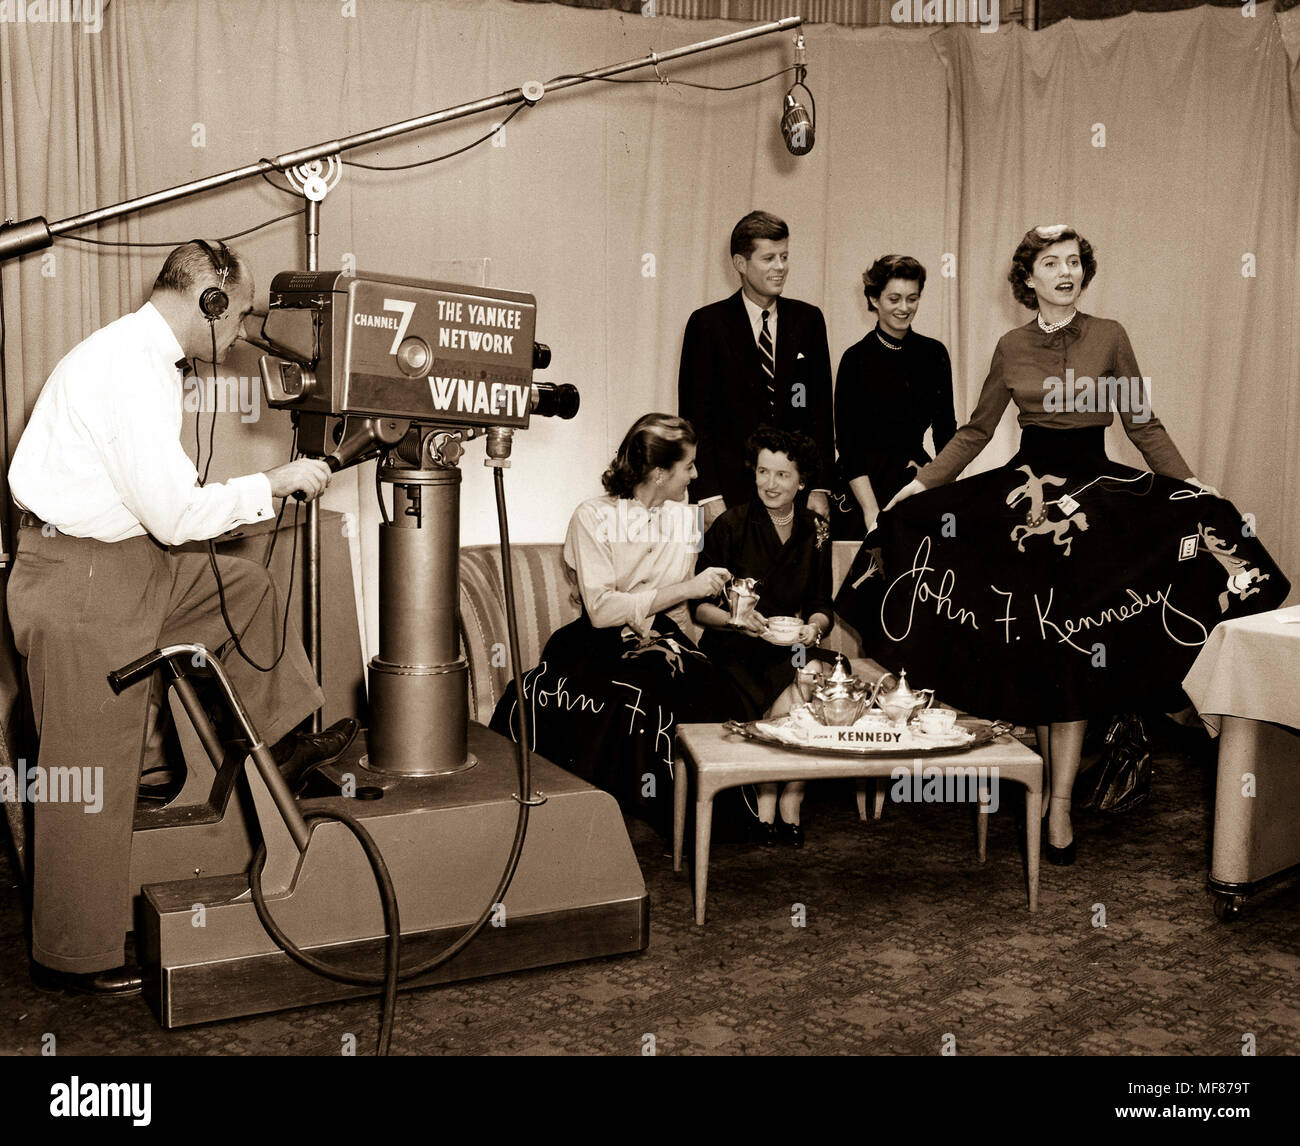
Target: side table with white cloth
[{"x": 1246, "y": 685}]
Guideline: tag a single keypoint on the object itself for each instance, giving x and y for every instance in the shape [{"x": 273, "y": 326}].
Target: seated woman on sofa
[
  {"x": 611, "y": 686},
  {"x": 787, "y": 549}
]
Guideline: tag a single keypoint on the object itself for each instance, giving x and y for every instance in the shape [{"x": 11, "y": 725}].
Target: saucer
[{"x": 776, "y": 639}]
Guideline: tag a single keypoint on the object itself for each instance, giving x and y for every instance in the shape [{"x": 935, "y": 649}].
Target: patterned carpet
[{"x": 910, "y": 947}]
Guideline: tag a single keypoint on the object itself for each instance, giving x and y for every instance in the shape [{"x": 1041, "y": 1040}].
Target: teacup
[
  {"x": 784, "y": 628},
  {"x": 936, "y": 721},
  {"x": 873, "y": 721}
]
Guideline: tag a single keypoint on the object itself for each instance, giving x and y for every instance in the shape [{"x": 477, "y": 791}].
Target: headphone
[{"x": 214, "y": 302}]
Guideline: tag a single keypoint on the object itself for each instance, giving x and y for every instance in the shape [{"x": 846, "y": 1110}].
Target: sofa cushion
[{"x": 545, "y": 600}]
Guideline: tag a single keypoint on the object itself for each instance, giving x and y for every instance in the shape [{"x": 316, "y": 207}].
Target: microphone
[{"x": 797, "y": 127}]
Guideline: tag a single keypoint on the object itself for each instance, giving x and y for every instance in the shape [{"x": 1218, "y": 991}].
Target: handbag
[{"x": 1123, "y": 776}]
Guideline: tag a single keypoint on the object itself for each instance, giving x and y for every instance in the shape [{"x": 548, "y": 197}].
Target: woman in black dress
[
  {"x": 1062, "y": 584},
  {"x": 892, "y": 386},
  {"x": 787, "y": 549},
  {"x": 611, "y": 686}
]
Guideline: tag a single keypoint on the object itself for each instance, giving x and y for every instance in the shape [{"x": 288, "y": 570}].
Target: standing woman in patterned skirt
[{"x": 1061, "y": 585}]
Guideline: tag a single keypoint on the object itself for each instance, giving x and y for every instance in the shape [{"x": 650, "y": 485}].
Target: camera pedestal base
[{"x": 577, "y": 893}]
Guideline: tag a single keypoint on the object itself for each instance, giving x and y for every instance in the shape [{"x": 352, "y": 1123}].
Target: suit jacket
[{"x": 722, "y": 391}]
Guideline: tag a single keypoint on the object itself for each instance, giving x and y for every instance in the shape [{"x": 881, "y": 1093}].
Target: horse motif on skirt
[
  {"x": 1241, "y": 574},
  {"x": 1036, "y": 517}
]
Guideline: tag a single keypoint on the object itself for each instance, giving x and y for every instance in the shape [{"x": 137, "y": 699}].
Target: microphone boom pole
[{"x": 35, "y": 233}]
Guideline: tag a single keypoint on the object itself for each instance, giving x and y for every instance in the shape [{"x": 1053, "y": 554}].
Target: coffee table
[{"x": 717, "y": 759}]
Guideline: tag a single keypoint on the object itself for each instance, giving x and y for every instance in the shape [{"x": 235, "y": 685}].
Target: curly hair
[
  {"x": 796, "y": 446},
  {"x": 877, "y": 276},
  {"x": 1037, "y": 240},
  {"x": 655, "y": 441}
]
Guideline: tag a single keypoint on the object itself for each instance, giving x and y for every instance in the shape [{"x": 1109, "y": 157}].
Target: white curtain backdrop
[{"x": 612, "y": 203}]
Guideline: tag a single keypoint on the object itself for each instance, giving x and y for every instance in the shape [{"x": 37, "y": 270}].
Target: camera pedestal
[{"x": 577, "y": 894}]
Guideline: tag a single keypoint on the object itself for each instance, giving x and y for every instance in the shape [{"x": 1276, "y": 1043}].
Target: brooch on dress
[{"x": 823, "y": 530}]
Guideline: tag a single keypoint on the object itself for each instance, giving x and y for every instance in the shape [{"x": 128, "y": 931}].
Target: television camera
[
  {"x": 407, "y": 371},
  {"x": 410, "y": 369}
]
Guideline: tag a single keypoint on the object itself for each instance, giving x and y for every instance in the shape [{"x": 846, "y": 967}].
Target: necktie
[{"x": 768, "y": 361}]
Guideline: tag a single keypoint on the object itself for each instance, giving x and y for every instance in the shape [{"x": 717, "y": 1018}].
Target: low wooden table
[{"x": 720, "y": 759}]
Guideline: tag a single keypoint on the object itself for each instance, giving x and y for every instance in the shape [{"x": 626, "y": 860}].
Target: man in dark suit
[{"x": 749, "y": 361}]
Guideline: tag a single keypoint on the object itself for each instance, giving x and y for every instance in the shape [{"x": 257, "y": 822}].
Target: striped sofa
[{"x": 545, "y": 600}]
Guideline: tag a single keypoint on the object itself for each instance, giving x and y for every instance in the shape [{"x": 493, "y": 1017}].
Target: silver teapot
[
  {"x": 901, "y": 702},
  {"x": 841, "y": 697}
]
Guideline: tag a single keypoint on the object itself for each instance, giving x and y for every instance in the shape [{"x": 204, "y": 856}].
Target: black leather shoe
[
  {"x": 1061, "y": 857},
  {"x": 793, "y": 834},
  {"x": 299, "y": 754},
  {"x": 763, "y": 834},
  {"x": 124, "y": 980},
  {"x": 164, "y": 787}
]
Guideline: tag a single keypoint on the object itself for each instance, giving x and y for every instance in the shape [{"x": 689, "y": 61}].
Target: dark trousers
[{"x": 80, "y": 608}]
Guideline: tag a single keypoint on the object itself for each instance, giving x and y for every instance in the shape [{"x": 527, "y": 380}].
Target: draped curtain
[
  {"x": 612, "y": 203},
  {"x": 849, "y": 13},
  {"x": 1169, "y": 141}
]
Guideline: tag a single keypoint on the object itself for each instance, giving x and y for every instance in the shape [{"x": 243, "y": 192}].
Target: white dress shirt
[
  {"x": 755, "y": 313},
  {"x": 101, "y": 456}
]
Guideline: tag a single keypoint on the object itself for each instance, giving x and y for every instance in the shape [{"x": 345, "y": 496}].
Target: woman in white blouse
[{"x": 610, "y": 688}]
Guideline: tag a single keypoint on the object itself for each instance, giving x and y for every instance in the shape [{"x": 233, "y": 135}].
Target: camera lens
[{"x": 560, "y": 401}]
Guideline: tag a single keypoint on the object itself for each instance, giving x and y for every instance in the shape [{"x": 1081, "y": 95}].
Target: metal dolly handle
[{"x": 169, "y": 655}]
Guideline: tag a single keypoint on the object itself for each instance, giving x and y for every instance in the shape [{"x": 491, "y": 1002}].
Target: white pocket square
[{"x": 798, "y": 356}]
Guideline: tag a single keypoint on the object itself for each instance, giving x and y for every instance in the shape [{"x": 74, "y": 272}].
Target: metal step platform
[{"x": 577, "y": 894}]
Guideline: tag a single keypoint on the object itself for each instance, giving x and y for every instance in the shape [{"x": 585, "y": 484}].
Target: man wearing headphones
[{"x": 106, "y": 486}]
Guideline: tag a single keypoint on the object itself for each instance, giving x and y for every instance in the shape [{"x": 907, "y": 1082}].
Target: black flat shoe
[
  {"x": 164, "y": 787},
  {"x": 793, "y": 834},
  {"x": 124, "y": 980},
  {"x": 1061, "y": 857},
  {"x": 763, "y": 834}
]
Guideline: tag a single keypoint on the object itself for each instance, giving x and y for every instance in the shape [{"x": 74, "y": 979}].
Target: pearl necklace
[
  {"x": 782, "y": 522},
  {"x": 1050, "y": 327},
  {"x": 886, "y": 343}
]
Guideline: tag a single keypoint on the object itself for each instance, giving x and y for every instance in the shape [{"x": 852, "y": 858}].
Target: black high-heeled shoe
[
  {"x": 763, "y": 834},
  {"x": 793, "y": 834},
  {"x": 1060, "y": 856}
]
